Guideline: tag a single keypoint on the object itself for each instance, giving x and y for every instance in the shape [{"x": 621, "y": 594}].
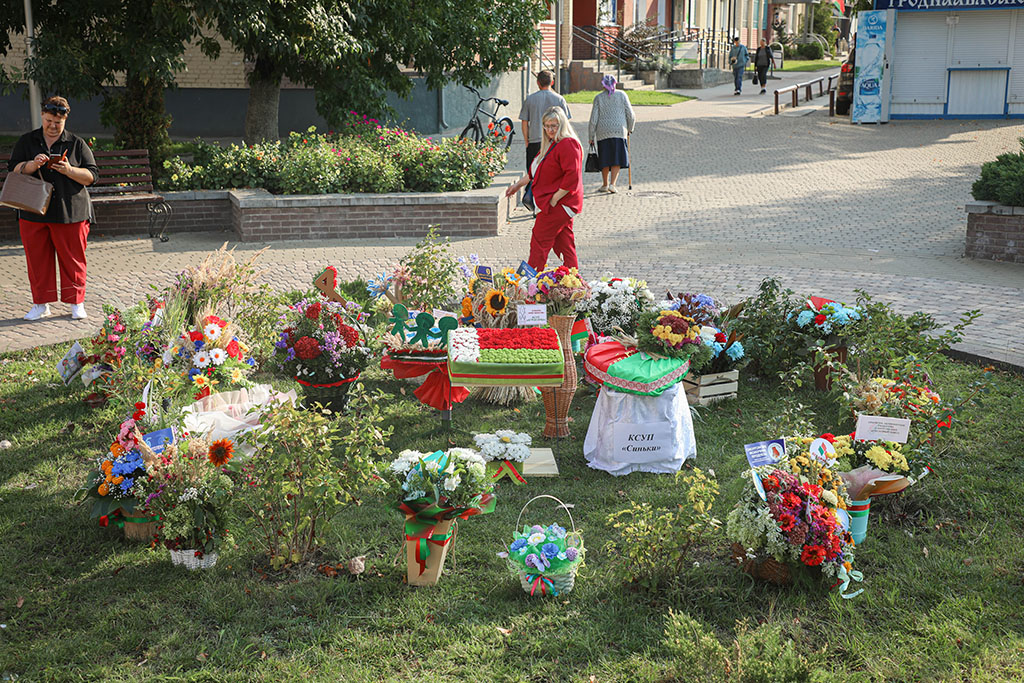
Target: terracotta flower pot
[
  {"x": 822, "y": 381},
  {"x": 558, "y": 399}
]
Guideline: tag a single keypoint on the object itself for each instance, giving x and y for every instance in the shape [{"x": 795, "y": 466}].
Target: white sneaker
[
  {"x": 78, "y": 312},
  {"x": 611, "y": 189},
  {"x": 603, "y": 188},
  {"x": 38, "y": 311}
]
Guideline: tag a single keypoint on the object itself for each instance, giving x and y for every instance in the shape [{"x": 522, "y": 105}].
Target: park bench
[{"x": 125, "y": 178}]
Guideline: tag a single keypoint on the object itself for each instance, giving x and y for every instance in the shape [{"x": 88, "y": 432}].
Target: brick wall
[{"x": 995, "y": 232}]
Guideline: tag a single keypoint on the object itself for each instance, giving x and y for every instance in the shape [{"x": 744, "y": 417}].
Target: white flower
[
  {"x": 189, "y": 494},
  {"x": 212, "y": 331},
  {"x": 452, "y": 483},
  {"x": 201, "y": 359},
  {"x": 218, "y": 356}
]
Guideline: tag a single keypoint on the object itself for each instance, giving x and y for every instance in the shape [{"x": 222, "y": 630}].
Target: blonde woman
[{"x": 557, "y": 177}]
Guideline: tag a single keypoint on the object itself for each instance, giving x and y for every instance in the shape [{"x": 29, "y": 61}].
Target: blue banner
[{"x": 951, "y": 5}]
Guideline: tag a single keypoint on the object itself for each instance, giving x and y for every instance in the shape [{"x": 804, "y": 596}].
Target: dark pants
[
  {"x": 531, "y": 152},
  {"x": 762, "y": 75},
  {"x": 737, "y": 77}
]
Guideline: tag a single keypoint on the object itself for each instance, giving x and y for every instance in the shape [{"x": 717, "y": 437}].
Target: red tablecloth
[{"x": 437, "y": 390}]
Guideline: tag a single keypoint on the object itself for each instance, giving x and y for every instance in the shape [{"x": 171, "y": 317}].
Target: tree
[{"x": 83, "y": 47}]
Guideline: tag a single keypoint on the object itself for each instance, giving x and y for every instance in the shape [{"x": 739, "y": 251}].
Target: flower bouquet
[
  {"x": 433, "y": 492},
  {"x": 545, "y": 559},
  {"x": 702, "y": 308},
  {"x": 791, "y": 522},
  {"x": 187, "y": 487},
  {"x": 670, "y": 334},
  {"x": 213, "y": 357},
  {"x": 503, "y": 448},
  {"x": 321, "y": 351},
  {"x": 821, "y": 322},
  {"x": 560, "y": 288},
  {"x": 615, "y": 302}
]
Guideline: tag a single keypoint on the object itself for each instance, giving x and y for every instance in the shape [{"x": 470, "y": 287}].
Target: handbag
[
  {"x": 26, "y": 193},
  {"x": 593, "y": 164},
  {"x": 754, "y": 78},
  {"x": 528, "y": 197}
]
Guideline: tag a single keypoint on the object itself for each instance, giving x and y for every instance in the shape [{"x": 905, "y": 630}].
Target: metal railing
[
  {"x": 603, "y": 42},
  {"x": 794, "y": 90}
]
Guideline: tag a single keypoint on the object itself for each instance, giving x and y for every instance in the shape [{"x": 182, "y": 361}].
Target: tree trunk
[
  {"x": 264, "y": 101},
  {"x": 139, "y": 119}
]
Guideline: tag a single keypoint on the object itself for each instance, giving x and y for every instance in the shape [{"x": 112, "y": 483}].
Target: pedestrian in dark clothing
[
  {"x": 738, "y": 60},
  {"x": 763, "y": 59}
]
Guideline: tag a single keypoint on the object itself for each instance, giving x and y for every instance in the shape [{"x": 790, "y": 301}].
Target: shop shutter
[
  {"x": 1016, "y": 93},
  {"x": 919, "y": 57},
  {"x": 981, "y": 38}
]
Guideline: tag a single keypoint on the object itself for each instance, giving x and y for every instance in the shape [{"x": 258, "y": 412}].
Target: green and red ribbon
[
  {"x": 119, "y": 518},
  {"x": 544, "y": 583},
  {"x": 507, "y": 469},
  {"x": 326, "y": 386}
]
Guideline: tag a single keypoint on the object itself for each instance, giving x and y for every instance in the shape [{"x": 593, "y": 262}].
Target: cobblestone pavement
[{"x": 723, "y": 196}]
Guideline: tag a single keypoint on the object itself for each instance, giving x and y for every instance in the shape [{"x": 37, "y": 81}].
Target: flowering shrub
[
  {"x": 795, "y": 523},
  {"x": 560, "y": 288},
  {"x": 363, "y": 156},
  {"x": 615, "y": 302},
  {"x": 316, "y": 345}
]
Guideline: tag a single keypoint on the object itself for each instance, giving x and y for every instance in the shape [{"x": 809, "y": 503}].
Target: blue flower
[
  {"x": 250, "y": 361},
  {"x": 198, "y": 344},
  {"x": 550, "y": 550},
  {"x": 704, "y": 300},
  {"x": 556, "y": 531},
  {"x": 826, "y": 326},
  {"x": 281, "y": 345},
  {"x": 192, "y": 373},
  {"x": 805, "y": 318},
  {"x": 517, "y": 544},
  {"x": 378, "y": 285},
  {"x": 127, "y": 484},
  {"x": 716, "y": 348},
  {"x": 735, "y": 351}
]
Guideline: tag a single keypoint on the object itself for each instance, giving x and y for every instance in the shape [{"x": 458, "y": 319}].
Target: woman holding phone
[{"x": 65, "y": 161}]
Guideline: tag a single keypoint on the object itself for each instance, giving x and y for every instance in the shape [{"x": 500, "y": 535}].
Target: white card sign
[
  {"x": 648, "y": 442},
  {"x": 532, "y": 315},
  {"x": 823, "y": 451},
  {"x": 878, "y": 428}
]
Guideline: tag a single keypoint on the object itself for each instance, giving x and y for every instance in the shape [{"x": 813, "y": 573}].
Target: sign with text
[
  {"x": 526, "y": 270},
  {"x": 765, "y": 452},
  {"x": 531, "y": 315},
  {"x": 71, "y": 364},
  {"x": 648, "y": 442},
  {"x": 878, "y": 428},
  {"x": 484, "y": 273},
  {"x": 949, "y": 5}
]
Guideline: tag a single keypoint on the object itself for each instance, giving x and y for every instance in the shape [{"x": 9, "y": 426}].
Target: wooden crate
[{"x": 709, "y": 388}]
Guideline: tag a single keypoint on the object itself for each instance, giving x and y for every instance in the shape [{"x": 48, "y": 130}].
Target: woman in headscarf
[
  {"x": 557, "y": 177},
  {"x": 611, "y": 120}
]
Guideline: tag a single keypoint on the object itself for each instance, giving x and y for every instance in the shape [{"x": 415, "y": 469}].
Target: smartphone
[{"x": 56, "y": 159}]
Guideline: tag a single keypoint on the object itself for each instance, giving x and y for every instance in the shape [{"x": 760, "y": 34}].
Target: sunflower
[
  {"x": 496, "y": 302},
  {"x": 220, "y": 452}
]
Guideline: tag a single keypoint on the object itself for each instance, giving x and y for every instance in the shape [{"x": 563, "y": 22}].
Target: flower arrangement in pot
[
  {"x": 502, "y": 450},
  {"x": 670, "y": 334},
  {"x": 321, "y": 350},
  {"x": 615, "y": 303},
  {"x": 822, "y": 323},
  {"x": 187, "y": 486},
  {"x": 785, "y": 521},
  {"x": 433, "y": 491},
  {"x": 546, "y": 559}
]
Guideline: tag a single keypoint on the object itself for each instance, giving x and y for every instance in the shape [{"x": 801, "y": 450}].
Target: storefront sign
[
  {"x": 951, "y": 5},
  {"x": 649, "y": 442}
]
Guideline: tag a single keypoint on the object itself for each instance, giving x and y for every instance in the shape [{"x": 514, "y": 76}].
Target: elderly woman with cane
[
  {"x": 611, "y": 121},
  {"x": 557, "y": 182}
]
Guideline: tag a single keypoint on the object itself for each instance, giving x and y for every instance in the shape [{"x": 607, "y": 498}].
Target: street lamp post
[{"x": 34, "y": 100}]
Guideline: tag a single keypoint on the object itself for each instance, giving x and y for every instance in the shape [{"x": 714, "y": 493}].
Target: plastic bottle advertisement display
[{"x": 867, "y": 82}]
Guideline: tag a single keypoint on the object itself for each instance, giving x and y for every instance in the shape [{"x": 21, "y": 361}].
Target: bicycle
[{"x": 499, "y": 130}]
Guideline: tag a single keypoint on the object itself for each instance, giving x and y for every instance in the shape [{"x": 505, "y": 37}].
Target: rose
[{"x": 307, "y": 348}]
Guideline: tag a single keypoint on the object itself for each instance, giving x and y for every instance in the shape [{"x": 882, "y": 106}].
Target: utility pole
[
  {"x": 558, "y": 46},
  {"x": 34, "y": 100}
]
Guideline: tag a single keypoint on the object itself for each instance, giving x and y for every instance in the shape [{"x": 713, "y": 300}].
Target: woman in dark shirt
[{"x": 65, "y": 161}]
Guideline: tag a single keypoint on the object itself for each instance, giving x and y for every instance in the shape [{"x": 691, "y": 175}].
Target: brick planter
[
  {"x": 258, "y": 216},
  {"x": 995, "y": 232}
]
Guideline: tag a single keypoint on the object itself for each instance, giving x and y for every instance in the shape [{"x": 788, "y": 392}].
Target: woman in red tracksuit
[{"x": 557, "y": 176}]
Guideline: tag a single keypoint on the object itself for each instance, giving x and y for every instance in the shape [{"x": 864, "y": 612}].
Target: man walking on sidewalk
[
  {"x": 533, "y": 110},
  {"x": 738, "y": 58}
]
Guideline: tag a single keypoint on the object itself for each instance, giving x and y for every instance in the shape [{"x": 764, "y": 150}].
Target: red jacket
[{"x": 561, "y": 169}]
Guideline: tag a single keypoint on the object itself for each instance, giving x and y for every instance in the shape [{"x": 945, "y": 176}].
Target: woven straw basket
[
  {"x": 768, "y": 569},
  {"x": 562, "y": 583},
  {"x": 188, "y": 559}
]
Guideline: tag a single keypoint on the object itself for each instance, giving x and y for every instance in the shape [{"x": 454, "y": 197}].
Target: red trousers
[
  {"x": 553, "y": 230},
  {"x": 66, "y": 241}
]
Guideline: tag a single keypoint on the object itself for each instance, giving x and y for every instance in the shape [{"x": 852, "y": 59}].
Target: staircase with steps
[{"x": 584, "y": 74}]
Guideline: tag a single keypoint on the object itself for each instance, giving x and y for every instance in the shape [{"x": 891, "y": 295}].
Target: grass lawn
[
  {"x": 638, "y": 98},
  {"x": 809, "y": 64},
  {"x": 943, "y": 566}
]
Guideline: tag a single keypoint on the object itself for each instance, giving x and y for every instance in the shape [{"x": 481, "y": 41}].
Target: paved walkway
[{"x": 723, "y": 196}]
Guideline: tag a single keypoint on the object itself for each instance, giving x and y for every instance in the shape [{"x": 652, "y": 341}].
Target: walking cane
[{"x": 629, "y": 169}]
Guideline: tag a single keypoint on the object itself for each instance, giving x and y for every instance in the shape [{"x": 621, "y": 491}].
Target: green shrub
[
  {"x": 811, "y": 51},
  {"x": 767, "y": 336},
  {"x": 363, "y": 156},
  {"x": 1002, "y": 180}
]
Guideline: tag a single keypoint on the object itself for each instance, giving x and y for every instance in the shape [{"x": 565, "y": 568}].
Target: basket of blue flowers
[{"x": 545, "y": 558}]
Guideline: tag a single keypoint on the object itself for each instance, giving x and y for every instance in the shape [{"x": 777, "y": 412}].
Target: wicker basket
[
  {"x": 188, "y": 559},
  {"x": 547, "y": 584},
  {"x": 767, "y": 569},
  {"x": 558, "y": 399}
]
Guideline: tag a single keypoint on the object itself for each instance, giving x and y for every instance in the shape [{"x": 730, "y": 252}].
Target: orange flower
[
  {"x": 102, "y": 490},
  {"x": 106, "y": 466},
  {"x": 116, "y": 449},
  {"x": 220, "y": 452}
]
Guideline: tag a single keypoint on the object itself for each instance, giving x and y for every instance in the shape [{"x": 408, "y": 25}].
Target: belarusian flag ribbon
[
  {"x": 543, "y": 582},
  {"x": 507, "y": 468},
  {"x": 580, "y": 330},
  {"x": 423, "y": 547}
]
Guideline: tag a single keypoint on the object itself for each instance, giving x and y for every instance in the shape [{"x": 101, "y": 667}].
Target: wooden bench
[{"x": 125, "y": 177}]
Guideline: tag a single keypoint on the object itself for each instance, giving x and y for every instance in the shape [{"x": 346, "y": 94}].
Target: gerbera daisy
[
  {"x": 496, "y": 302},
  {"x": 236, "y": 375},
  {"x": 212, "y": 331},
  {"x": 220, "y": 452},
  {"x": 218, "y": 356},
  {"x": 201, "y": 381},
  {"x": 201, "y": 359}
]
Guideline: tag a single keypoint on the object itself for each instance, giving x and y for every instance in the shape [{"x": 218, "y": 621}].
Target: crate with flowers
[
  {"x": 323, "y": 347},
  {"x": 187, "y": 486},
  {"x": 615, "y": 303},
  {"x": 433, "y": 491},
  {"x": 210, "y": 358},
  {"x": 546, "y": 559},
  {"x": 718, "y": 379},
  {"x": 505, "y": 451},
  {"x": 785, "y": 521}
]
